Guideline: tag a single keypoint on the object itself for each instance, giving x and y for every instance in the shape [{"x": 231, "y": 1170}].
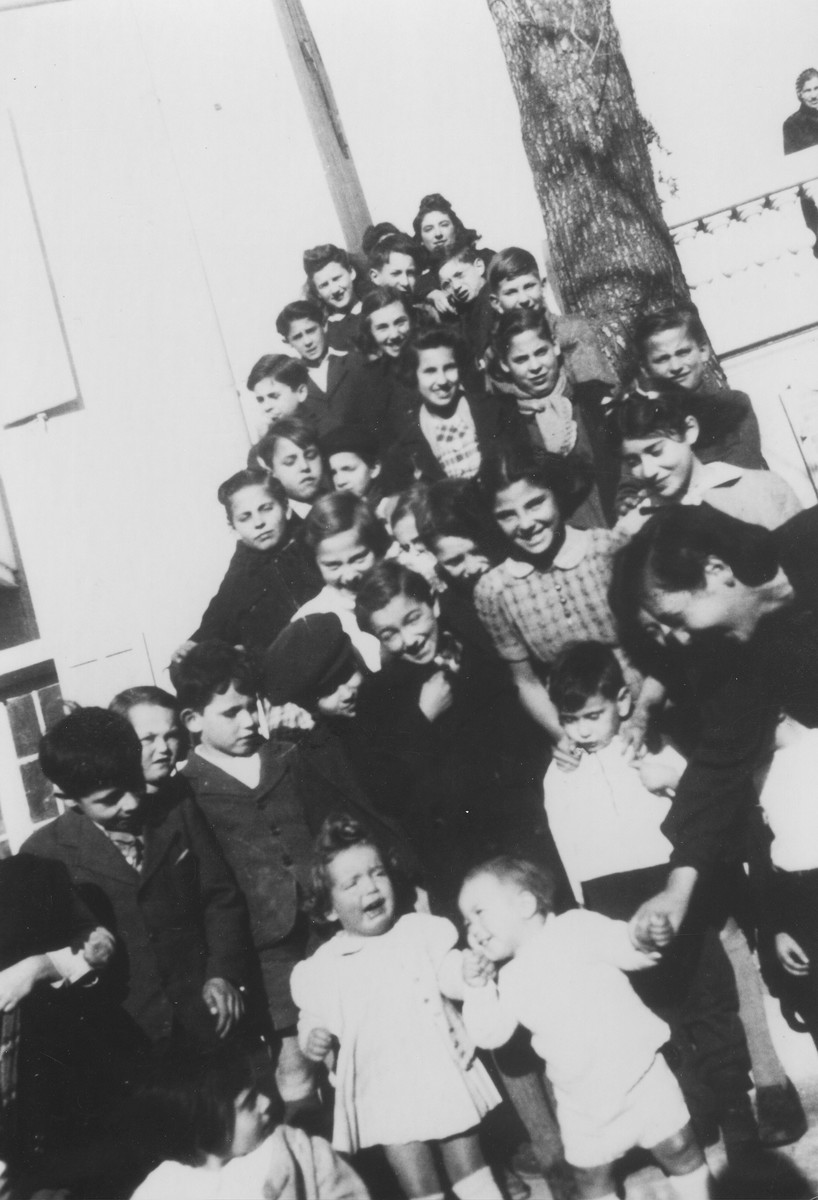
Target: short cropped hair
[
  {"x": 89, "y": 750},
  {"x": 318, "y": 257},
  {"x": 338, "y": 833},
  {"x": 677, "y": 316},
  {"x": 338, "y": 512},
  {"x": 513, "y": 461},
  {"x": 186, "y": 1102},
  {"x": 250, "y": 477},
  {"x": 463, "y": 250},
  {"x": 511, "y": 263},
  {"x": 528, "y": 876},
  {"x": 392, "y": 243},
  {"x": 517, "y": 321},
  {"x": 291, "y": 429},
  {"x": 157, "y": 697},
  {"x": 581, "y": 671},
  {"x": 209, "y": 669},
  {"x": 435, "y": 338},
  {"x": 280, "y": 367},
  {"x": 671, "y": 550},
  {"x": 382, "y": 584},
  {"x": 803, "y": 79},
  {"x": 298, "y": 310},
  {"x": 351, "y": 439},
  {"x": 456, "y": 508}
]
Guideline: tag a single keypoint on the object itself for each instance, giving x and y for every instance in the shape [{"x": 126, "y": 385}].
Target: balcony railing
[{"x": 751, "y": 267}]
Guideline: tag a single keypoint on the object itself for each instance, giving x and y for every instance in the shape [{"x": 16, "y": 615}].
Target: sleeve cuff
[{"x": 70, "y": 965}]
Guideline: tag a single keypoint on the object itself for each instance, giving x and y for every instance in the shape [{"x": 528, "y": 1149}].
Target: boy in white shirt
[{"x": 564, "y": 979}]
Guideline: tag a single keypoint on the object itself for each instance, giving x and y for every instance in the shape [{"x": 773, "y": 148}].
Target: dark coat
[
  {"x": 351, "y": 388},
  {"x": 55, "y": 1083},
  {"x": 260, "y": 593},
  {"x": 264, "y": 835},
  {"x": 800, "y": 130},
  {"x": 464, "y": 786},
  {"x": 178, "y": 922},
  {"x": 411, "y": 458}
]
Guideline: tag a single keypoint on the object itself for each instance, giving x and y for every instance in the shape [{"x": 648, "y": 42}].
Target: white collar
[
  {"x": 569, "y": 555},
  {"x": 712, "y": 475}
]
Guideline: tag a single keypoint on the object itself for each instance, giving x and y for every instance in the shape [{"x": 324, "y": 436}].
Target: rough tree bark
[{"x": 610, "y": 249}]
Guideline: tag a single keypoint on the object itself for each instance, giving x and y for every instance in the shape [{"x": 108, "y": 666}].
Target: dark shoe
[{"x": 781, "y": 1118}]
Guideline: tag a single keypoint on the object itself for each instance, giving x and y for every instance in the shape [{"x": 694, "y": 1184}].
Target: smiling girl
[
  {"x": 444, "y": 432},
  {"x": 659, "y": 435}
]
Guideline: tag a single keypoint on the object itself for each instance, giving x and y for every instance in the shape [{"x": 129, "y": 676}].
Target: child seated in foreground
[
  {"x": 563, "y": 978},
  {"x": 380, "y": 990},
  {"x": 216, "y": 1135}
]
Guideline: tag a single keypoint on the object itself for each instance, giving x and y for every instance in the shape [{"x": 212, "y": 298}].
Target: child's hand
[
  {"x": 318, "y": 1044},
  {"x": 443, "y": 303},
  {"x": 287, "y": 716},
  {"x": 658, "y": 777},
  {"x": 565, "y": 754},
  {"x": 19, "y": 980},
  {"x": 99, "y": 947},
  {"x": 477, "y": 970},
  {"x": 790, "y": 955},
  {"x": 436, "y": 696}
]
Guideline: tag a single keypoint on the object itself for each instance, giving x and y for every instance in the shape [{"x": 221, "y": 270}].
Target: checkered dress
[
  {"x": 453, "y": 441},
  {"x": 536, "y": 614}
]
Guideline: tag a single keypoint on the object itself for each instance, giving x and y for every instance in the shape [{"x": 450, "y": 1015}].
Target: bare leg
[
  {"x": 681, "y": 1157},
  {"x": 463, "y": 1159},
  {"x": 415, "y": 1169},
  {"x": 595, "y": 1183}
]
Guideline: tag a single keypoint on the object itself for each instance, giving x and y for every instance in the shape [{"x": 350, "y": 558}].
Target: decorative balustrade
[{"x": 751, "y": 267}]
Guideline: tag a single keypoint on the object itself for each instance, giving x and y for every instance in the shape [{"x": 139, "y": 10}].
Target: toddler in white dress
[{"x": 406, "y": 1075}]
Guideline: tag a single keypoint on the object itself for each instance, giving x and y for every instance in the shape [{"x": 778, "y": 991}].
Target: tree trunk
[{"x": 611, "y": 252}]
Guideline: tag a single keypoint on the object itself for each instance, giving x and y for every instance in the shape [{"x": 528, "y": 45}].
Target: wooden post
[{"x": 325, "y": 119}]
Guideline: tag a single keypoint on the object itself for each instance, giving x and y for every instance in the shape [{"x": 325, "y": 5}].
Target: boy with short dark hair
[
  {"x": 606, "y": 818},
  {"x": 462, "y": 276},
  {"x": 332, "y": 279},
  {"x": 270, "y": 574},
  {"x": 280, "y": 385},
  {"x": 152, "y": 873},
  {"x": 671, "y": 345},
  {"x": 514, "y": 282},
  {"x": 247, "y": 791},
  {"x": 393, "y": 262},
  {"x": 336, "y": 379},
  {"x": 352, "y": 455}
]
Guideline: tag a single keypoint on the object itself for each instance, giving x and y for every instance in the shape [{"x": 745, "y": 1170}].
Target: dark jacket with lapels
[
  {"x": 351, "y": 386},
  {"x": 260, "y": 593},
  {"x": 410, "y": 456},
  {"x": 263, "y": 833},
  {"x": 178, "y": 921}
]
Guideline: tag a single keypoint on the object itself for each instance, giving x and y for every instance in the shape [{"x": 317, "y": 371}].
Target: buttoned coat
[{"x": 179, "y": 921}]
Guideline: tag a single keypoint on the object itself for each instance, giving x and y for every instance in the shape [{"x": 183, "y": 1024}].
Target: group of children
[{"x": 404, "y": 802}]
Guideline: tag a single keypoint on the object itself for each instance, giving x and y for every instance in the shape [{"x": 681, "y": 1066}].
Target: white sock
[
  {"x": 694, "y": 1185},
  {"x": 479, "y": 1185},
  {"x": 431, "y": 1196}
]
